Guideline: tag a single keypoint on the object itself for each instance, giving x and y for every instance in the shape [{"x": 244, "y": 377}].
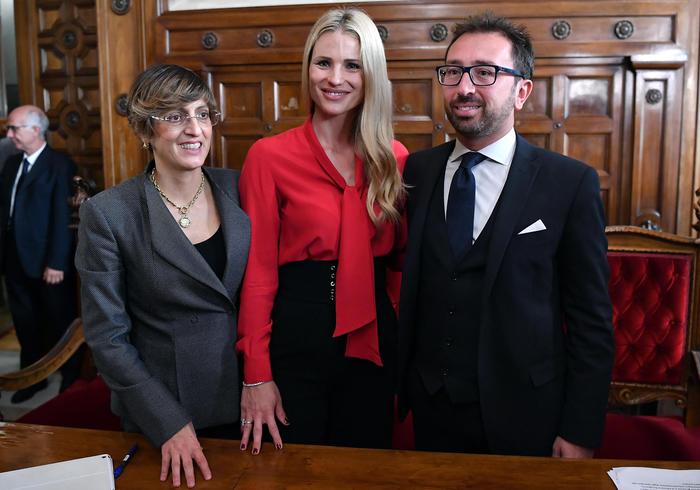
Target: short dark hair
[
  {"x": 161, "y": 88},
  {"x": 517, "y": 34}
]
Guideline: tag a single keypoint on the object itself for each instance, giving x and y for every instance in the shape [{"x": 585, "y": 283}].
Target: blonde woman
[{"x": 316, "y": 328}]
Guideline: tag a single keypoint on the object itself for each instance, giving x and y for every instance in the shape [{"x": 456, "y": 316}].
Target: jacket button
[
  {"x": 454, "y": 276},
  {"x": 445, "y": 371},
  {"x": 448, "y": 341},
  {"x": 194, "y": 318},
  {"x": 451, "y": 312}
]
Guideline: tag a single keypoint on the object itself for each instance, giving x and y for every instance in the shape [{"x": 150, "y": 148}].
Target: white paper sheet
[
  {"x": 640, "y": 478},
  {"x": 91, "y": 473}
]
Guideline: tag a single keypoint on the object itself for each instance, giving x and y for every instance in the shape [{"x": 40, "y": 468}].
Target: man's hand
[
  {"x": 178, "y": 452},
  {"x": 565, "y": 449},
  {"x": 52, "y": 276}
]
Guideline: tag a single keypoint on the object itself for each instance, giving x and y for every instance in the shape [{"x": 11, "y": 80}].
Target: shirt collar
[
  {"x": 500, "y": 151},
  {"x": 32, "y": 158}
]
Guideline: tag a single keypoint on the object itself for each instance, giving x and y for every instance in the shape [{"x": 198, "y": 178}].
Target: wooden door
[{"x": 578, "y": 111}]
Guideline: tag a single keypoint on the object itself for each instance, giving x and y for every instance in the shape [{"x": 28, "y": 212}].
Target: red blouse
[{"x": 301, "y": 208}]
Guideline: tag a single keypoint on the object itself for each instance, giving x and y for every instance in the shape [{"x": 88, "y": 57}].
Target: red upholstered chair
[{"x": 654, "y": 290}]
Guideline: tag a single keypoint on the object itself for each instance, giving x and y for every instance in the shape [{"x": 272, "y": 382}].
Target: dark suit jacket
[
  {"x": 42, "y": 212},
  {"x": 545, "y": 340},
  {"x": 7, "y": 149},
  {"x": 160, "y": 323}
]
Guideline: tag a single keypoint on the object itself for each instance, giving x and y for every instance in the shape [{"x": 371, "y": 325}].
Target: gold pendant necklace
[{"x": 184, "y": 220}]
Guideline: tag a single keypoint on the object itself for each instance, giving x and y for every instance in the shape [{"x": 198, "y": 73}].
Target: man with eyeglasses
[
  {"x": 506, "y": 338},
  {"x": 35, "y": 242}
]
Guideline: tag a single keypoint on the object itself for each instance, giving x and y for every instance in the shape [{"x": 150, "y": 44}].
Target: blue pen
[{"x": 120, "y": 469}]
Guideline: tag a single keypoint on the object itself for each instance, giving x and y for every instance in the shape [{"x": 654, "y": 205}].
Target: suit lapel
[
  {"x": 235, "y": 227},
  {"x": 171, "y": 243},
  {"x": 9, "y": 174},
  {"x": 431, "y": 166},
  {"x": 39, "y": 167},
  {"x": 518, "y": 185},
  {"x": 437, "y": 225}
]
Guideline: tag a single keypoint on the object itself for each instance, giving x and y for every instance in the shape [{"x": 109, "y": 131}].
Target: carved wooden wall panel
[
  {"x": 58, "y": 69},
  {"x": 254, "y": 103},
  {"x": 122, "y": 49},
  {"x": 577, "y": 111},
  {"x": 419, "y": 116},
  {"x": 593, "y": 69},
  {"x": 655, "y": 177}
]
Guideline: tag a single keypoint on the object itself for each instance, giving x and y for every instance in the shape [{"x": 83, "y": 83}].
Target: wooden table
[{"x": 299, "y": 466}]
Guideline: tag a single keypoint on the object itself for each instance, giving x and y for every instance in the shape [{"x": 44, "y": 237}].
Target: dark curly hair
[{"x": 522, "y": 51}]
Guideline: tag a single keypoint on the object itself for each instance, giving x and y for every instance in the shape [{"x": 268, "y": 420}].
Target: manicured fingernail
[
  {"x": 278, "y": 446},
  {"x": 256, "y": 450},
  {"x": 286, "y": 421},
  {"x": 242, "y": 447}
]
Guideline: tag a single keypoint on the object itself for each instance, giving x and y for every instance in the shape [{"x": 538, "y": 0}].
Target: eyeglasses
[
  {"x": 178, "y": 119},
  {"x": 10, "y": 127},
  {"x": 480, "y": 75}
]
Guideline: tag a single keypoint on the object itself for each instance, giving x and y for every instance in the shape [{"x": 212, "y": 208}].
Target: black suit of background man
[
  {"x": 507, "y": 347},
  {"x": 36, "y": 245}
]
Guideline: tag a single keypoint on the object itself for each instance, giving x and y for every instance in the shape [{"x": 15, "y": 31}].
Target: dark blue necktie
[
  {"x": 25, "y": 170},
  {"x": 460, "y": 205}
]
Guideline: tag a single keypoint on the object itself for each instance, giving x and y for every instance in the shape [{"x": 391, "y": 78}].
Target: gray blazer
[{"x": 160, "y": 323}]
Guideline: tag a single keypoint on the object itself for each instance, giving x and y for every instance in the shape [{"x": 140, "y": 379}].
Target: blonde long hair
[{"x": 373, "y": 128}]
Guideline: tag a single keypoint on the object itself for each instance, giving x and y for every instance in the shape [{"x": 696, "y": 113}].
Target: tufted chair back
[{"x": 655, "y": 291}]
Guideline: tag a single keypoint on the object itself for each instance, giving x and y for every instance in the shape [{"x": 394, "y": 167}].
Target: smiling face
[
  {"x": 335, "y": 75},
  {"x": 482, "y": 115},
  {"x": 182, "y": 147}
]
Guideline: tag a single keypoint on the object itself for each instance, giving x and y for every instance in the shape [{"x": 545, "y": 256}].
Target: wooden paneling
[
  {"x": 577, "y": 110},
  {"x": 419, "y": 114},
  {"x": 3, "y": 95},
  {"x": 58, "y": 71},
  {"x": 596, "y": 63},
  {"x": 254, "y": 103},
  {"x": 122, "y": 48},
  {"x": 655, "y": 184}
]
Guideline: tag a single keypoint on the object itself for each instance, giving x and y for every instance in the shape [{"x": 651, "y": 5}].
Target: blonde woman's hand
[{"x": 260, "y": 405}]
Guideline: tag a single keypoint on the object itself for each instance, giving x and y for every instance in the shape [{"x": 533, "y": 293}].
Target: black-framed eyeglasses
[
  {"x": 178, "y": 119},
  {"x": 11, "y": 127},
  {"x": 480, "y": 75}
]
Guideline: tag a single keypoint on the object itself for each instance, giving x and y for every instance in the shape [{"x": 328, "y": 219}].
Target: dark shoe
[{"x": 26, "y": 393}]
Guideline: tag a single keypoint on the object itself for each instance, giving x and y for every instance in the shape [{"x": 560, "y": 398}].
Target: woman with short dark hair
[{"x": 161, "y": 258}]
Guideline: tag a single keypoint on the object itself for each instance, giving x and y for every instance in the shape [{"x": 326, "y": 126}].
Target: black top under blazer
[
  {"x": 160, "y": 323},
  {"x": 545, "y": 345}
]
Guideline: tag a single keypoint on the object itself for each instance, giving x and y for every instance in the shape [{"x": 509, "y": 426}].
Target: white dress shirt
[
  {"x": 490, "y": 176},
  {"x": 32, "y": 159}
]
